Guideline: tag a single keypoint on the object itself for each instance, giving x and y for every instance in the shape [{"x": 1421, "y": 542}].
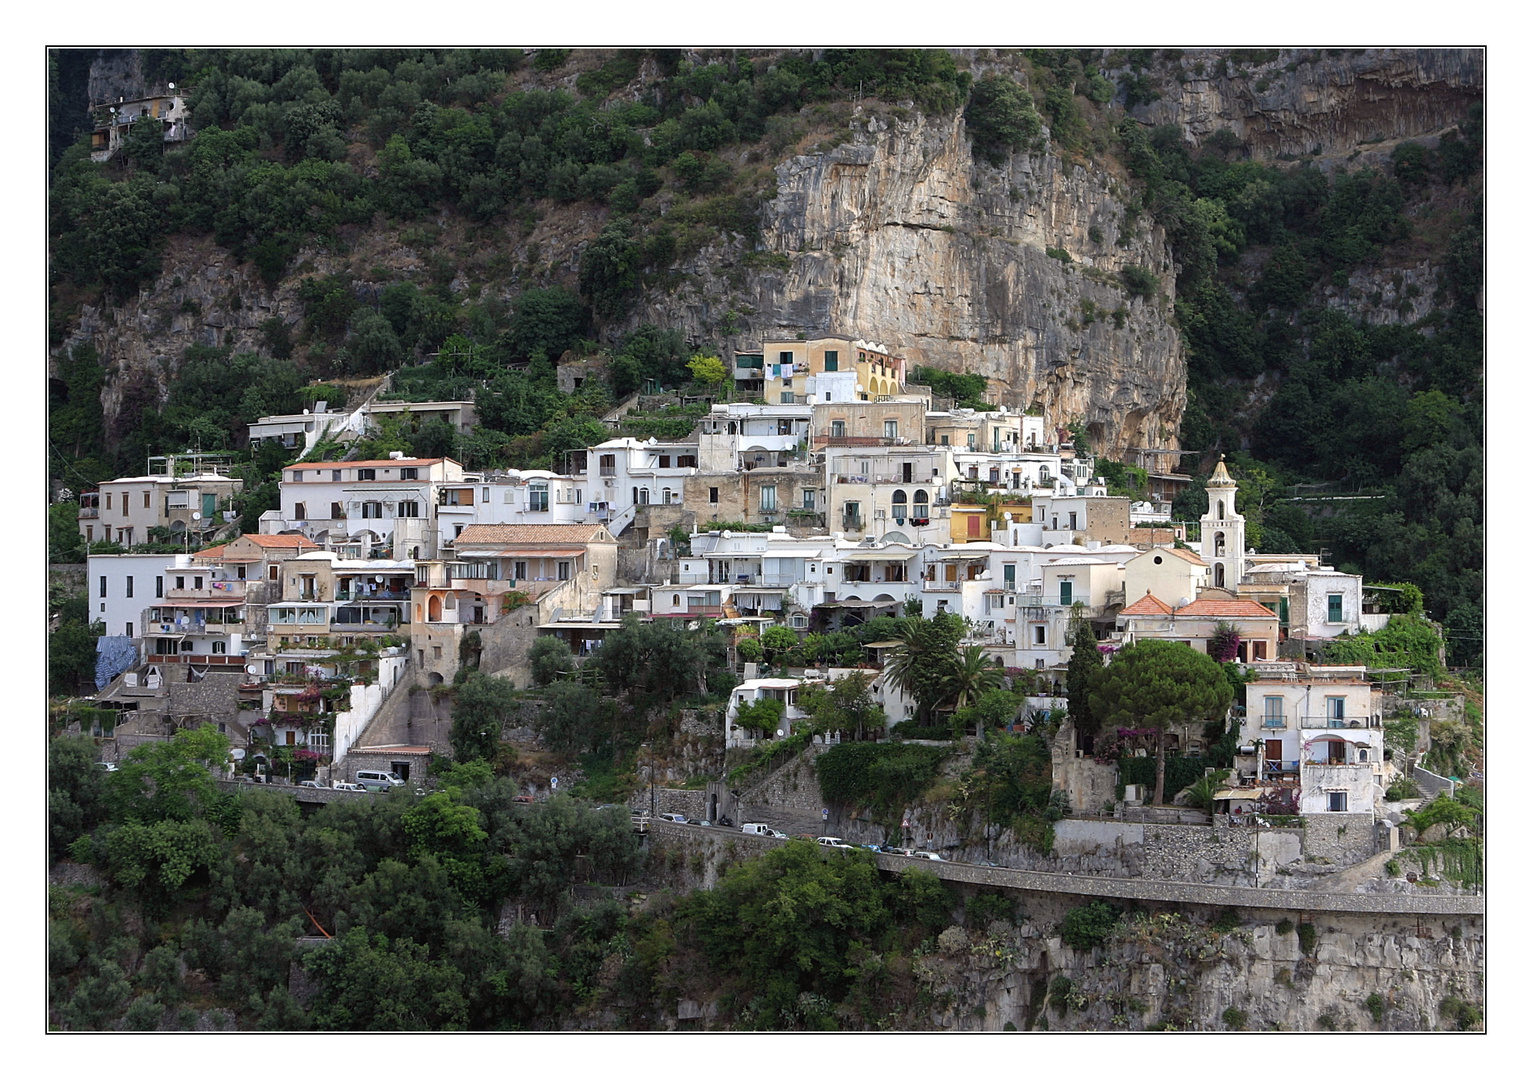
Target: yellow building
[{"x": 829, "y": 369}]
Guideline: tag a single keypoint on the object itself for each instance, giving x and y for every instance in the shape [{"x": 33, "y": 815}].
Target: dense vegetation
[
  {"x": 1393, "y": 411},
  {"x": 397, "y": 900}
]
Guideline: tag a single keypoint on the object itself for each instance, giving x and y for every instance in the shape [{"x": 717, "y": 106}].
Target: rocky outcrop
[
  {"x": 1329, "y": 101},
  {"x": 898, "y": 235}
]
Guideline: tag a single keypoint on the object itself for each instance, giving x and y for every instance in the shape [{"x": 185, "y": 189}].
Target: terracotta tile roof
[
  {"x": 280, "y": 540},
  {"x": 529, "y": 534},
  {"x": 368, "y": 464},
  {"x": 211, "y": 553},
  {"x": 1184, "y": 553},
  {"x": 1227, "y": 609},
  {"x": 1148, "y": 604}
]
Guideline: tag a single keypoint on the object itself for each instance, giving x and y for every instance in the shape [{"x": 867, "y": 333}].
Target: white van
[
  {"x": 756, "y": 829},
  {"x": 374, "y": 778}
]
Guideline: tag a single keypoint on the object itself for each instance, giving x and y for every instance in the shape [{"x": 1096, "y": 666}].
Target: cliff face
[
  {"x": 899, "y": 236},
  {"x": 1332, "y": 100}
]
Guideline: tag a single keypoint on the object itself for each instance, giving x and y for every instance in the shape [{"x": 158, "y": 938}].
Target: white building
[
  {"x": 408, "y": 507},
  {"x": 1320, "y": 728},
  {"x": 122, "y": 587}
]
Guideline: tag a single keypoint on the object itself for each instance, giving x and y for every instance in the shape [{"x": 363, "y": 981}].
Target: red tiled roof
[
  {"x": 368, "y": 464},
  {"x": 1148, "y": 604},
  {"x": 528, "y": 534},
  {"x": 280, "y": 540},
  {"x": 1227, "y": 609}
]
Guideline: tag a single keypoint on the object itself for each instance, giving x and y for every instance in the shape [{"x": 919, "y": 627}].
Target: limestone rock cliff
[
  {"x": 1330, "y": 100},
  {"x": 899, "y": 236}
]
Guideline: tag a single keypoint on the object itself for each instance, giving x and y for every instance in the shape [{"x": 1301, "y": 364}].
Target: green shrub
[
  {"x": 1228, "y": 919},
  {"x": 1308, "y": 937},
  {"x": 1326, "y": 1021},
  {"x": 1463, "y": 1013},
  {"x": 1402, "y": 789},
  {"x": 1391, "y": 867},
  {"x": 984, "y": 908},
  {"x": 1285, "y": 926},
  {"x": 1060, "y": 254},
  {"x": 1089, "y": 925},
  {"x": 1058, "y": 994},
  {"x": 882, "y": 777},
  {"x": 1139, "y": 282},
  {"x": 1234, "y": 1019},
  {"x": 1374, "y": 1005}
]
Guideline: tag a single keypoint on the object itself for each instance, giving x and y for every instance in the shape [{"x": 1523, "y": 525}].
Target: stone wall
[
  {"x": 1341, "y": 839},
  {"x": 793, "y": 789}
]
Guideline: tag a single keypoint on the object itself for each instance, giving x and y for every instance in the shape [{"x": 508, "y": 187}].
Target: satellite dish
[
  {"x": 172, "y": 86},
  {"x": 237, "y": 754},
  {"x": 780, "y": 733},
  {"x": 196, "y": 515}
]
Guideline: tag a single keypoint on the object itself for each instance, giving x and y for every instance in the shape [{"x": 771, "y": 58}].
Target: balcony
[
  {"x": 214, "y": 590},
  {"x": 1339, "y": 723},
  {"x": 1277, "y": 722},
  {"x": 852, "y": 524},
  {"x": 821, "y": 441},
  {"x": 89, "y": 512},
  {"x": 345, "y": 595}
]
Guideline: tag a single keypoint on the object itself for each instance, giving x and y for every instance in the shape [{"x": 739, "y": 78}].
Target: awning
[
  {"x": 1240, "y": 793},
  {"x": 872, "y": 556},
  {"x": 205, "y": 604},
  {"x": 855, "y": 604}
]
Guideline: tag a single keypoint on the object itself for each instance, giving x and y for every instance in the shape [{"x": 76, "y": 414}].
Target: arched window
[
  {"x": 900, "y": 504},
  {"x": 1218, "y": 543},
  {"x": 921, "y": 511},
  {"x": 435, "y": 609},
  {"x": 1220, "y": 509},
  {"x": 1218, "y": 575},
  {"x": 1042, "y": 473}
]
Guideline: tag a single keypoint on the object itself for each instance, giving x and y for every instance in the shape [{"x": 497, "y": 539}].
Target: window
[
  {"x": 197, "y": 582},
  {"x": 608, "y": 465},
  {"x": 899, "y": 505},
  {"x": 1335, "y": 608},
  {"x": 1039, "y": 637},
  {"x": 519, "y": 568},
  {"x": 1072, "y": 524},
  {"x": 108, "y": 500},
  {"x": 837, "y": 429},
  {"x": 686, "y": 461},
  {"x": 890, "y": 429},
  {"x": 335, "y": 475},
  {"x": 372, "y": 509},
  {"x": 664, "y": 461},
  {"x": 784, "y": 357},
  {"x": 563, "y": 569},
  {"x": 337, "y": 511},
  {"x": 832, "y": 360},
  {"x": 146, "y": 500},
  {"x": 1337, "y": 802},
  {"x": 1010, "y": 575},
  {"x": 436, "y": 652},
  {"x": 787, "y": 397},
  {"x": 712, "y": 495},
  {"x": 1272, "y": 715},
  {"x": 409, "y": 474},
  {"x": 300, "y": 511},
  {"x": 186, "y": 646},
  {"x": 409, "y": 509},
  {"x": 972, "y": 440},
  {"x": 159, "y": 586},
  {"x": 1335, "y": 711},
  {"x": 457, "y": 497},
  {"x": 220, "y": 648},
  {"x": 367, "y": 474},
  {"x": 768, "y": 497},
  {"x": 1066, "y": 593},
  {"x": 103, "y": 587},
  {"x": 808, "y": 498},
  {"x": 127, "y": 630},
  {"x": 537, "y": 496},
  {"x": 129, "y": 593}
]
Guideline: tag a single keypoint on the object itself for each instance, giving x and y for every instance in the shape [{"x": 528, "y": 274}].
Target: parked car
[
  {"x": 833, "y": 842},
  {"x": 522, "y": 799},
  {"x": 378, "y": 778},
  {"x": 889, "y": 849},
  {"x": 929, "y": 855},
  {"x": 679, "y": 819},
  {"x": 704, "y": 822},
  {"x": 755, "y": 828},
  {"x": 344, "y": 785},
  {"x": 310, "y": 783},
  {"x": 776, "y": 835},
  {"x": 107, "y": 766}
]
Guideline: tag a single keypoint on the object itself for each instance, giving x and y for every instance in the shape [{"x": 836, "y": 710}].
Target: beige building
[
  {"x": 829, "y": 369},
  {"x": 541, "y": 572},
  {"x": 1195, "y": 623},
  {"x": 882, "y": 491},
  {"x": 1079, "y": 519},
  {"x": 123, "y": 511},
  {"x": 1176, "y": 574},
  {"x": 899, "y": 422}
]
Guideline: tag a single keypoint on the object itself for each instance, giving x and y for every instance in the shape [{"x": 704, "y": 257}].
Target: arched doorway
[{"x": 434, "y": 609}]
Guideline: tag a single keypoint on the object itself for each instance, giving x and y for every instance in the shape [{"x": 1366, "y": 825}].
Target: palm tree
[{"x": 972, "y": 676}]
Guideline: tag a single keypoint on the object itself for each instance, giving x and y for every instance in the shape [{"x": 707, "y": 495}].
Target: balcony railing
[
  {"x": 1274, "y": 723},
  {"x": 853, "y": 440},
  {"x": 347, "y": 595},
  {"x": 1339, "y": 722},
  {"x": 217, "y": 590}
]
